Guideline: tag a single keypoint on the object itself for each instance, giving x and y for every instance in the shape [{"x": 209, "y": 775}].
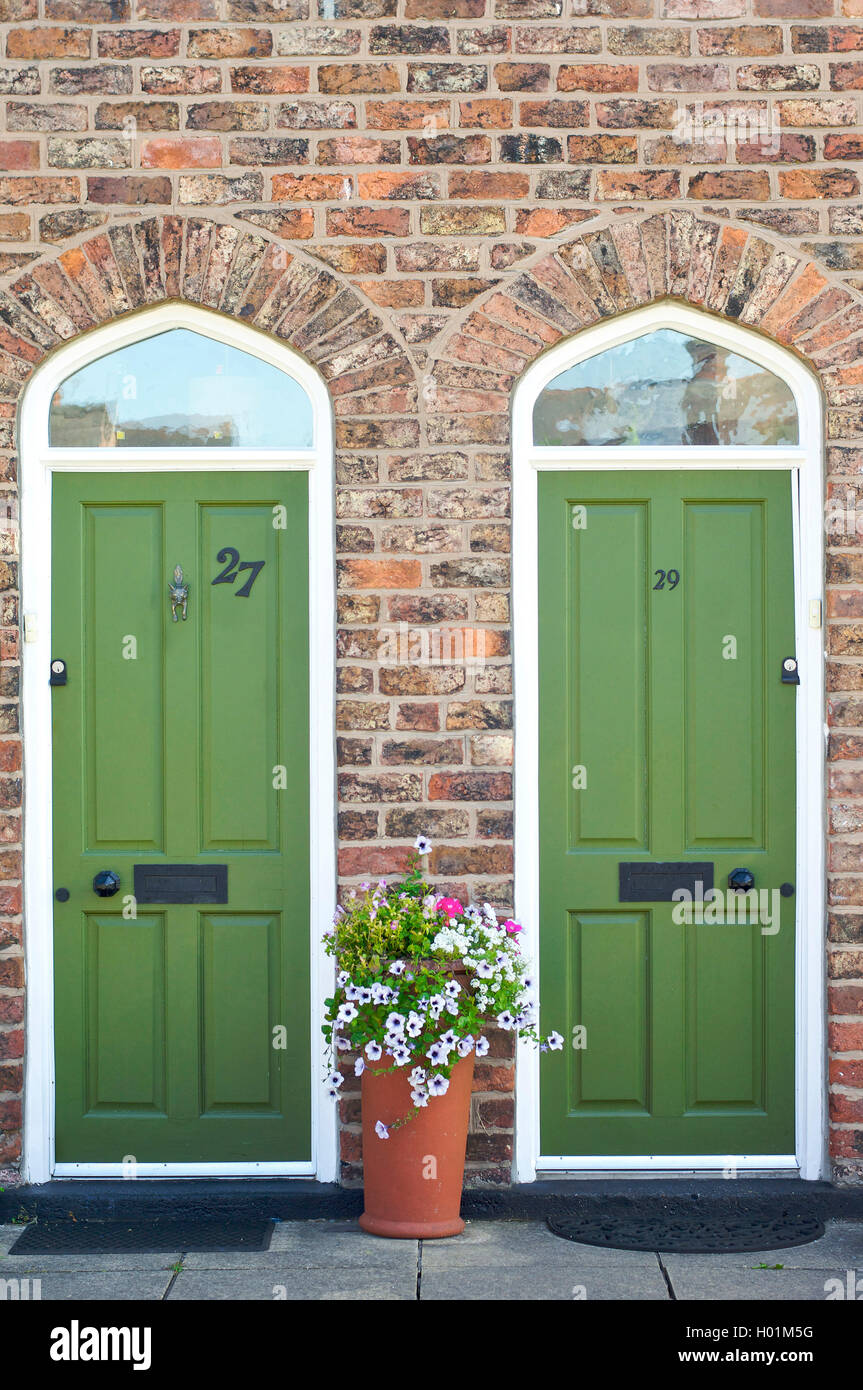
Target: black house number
[
  {"x": 666, "y": 578},
  {"x": 230, "y": 558}
]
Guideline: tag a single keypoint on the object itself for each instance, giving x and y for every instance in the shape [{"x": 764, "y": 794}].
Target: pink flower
[
  {"x": 511, "y": 928},
  {"x": 451, "y": 906}
]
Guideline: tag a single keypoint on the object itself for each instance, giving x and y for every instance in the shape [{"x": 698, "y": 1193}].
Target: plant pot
[{"x": 413, "y": 1180}]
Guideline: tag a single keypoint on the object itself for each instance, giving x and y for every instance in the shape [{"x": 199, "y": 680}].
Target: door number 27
[{"x": 230, "y": 558}]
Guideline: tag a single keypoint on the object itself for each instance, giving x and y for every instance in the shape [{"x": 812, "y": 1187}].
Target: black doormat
[
  {"x": 719, "y": 1234},
  {"x": 141, "y": 1237}
]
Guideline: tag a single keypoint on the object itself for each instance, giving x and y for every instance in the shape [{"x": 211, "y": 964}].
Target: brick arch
[
  {"x": 122, "y": 269},
  {"x": 734, "y": 273},
  {"x": 245, "y": 274},
  {"x": 709, "y": 263}
]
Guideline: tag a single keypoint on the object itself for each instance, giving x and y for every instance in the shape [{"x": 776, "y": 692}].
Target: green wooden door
[
  {"x": 168, "y": 740},
  {"x": 666, "y": 737}
]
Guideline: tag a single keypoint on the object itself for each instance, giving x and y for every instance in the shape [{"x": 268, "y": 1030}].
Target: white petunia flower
[
  {"x": 374, "y": 1051},
  {"x": 555, "y": 1042},
  {"x": 481, "y": 1047},
  {"x": 438, "y": 1085},
  {"x": 422, "y": 845},
  {"x": 359, "y": 1067},
  {"x": 381, "y": 1130}
]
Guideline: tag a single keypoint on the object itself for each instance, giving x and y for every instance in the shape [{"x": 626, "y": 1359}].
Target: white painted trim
[
  {"x": 38, "y": 461},
  {"x": 805, "y": 465},
  {"x": 185, "y": 1170},
  {"x": 662, "y": 1163}
]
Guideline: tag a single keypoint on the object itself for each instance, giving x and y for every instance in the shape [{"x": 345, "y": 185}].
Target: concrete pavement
[{"x": 492, "y": 1260}]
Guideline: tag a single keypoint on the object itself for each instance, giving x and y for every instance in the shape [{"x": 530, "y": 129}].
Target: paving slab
[
  {"x": 118, "y": 1286},
  {"x": 728, "y": 1282},
  {"x": 295, "y": 1285},
  {"x": 348, "y": 1252},
  {"x": 841, "y": 1246},
  {"x": 524, "y": 1243},
  {"x": 321, "y": 1242},
  {"x": 539, "y": 1282}
]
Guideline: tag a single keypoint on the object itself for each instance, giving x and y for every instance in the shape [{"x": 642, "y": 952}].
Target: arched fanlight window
[
  {"x": 180, "y": 389},
  {"x": 665, "y": 388}
]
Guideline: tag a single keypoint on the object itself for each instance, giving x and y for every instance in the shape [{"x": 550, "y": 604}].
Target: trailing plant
[{"x": 419, "y": 979}]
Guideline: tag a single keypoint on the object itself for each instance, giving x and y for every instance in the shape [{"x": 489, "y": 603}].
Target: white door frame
[
  {"x": 805, "y": 464},
  {"x": 38, "y": 462}
]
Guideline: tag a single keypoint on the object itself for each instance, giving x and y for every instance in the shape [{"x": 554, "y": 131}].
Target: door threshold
[
  {"x": 132, "y": 1170},
  {"x": 616, "y": 1174}
]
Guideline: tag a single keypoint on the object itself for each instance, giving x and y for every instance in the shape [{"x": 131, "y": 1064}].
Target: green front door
[
  {"x": 182, "y": 745},
  {"x": 667, "y": 739}
]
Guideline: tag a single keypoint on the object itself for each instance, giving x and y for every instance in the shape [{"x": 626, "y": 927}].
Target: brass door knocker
[{"x": 179, "y": 594}]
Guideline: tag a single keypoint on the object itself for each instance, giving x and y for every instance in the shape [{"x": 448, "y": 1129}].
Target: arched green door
[
  {"x": 181, "y": 762},
  {"x": 667, "y": 758}
]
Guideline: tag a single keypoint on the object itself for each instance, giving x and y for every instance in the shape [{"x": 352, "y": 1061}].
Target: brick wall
[{"x": 421, "y": 195}]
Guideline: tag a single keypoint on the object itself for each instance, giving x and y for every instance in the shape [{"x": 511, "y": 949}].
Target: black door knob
[
  {"x": 741, "y": 880},
  {"x": 106, "y": 883}
]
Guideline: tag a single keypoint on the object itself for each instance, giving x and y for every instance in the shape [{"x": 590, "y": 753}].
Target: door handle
[
  {"x": 741, "y": 880},
  {"x": 106, "y": 883}
]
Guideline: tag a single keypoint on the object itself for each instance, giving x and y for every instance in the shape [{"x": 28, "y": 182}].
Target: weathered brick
[
  {"x": 50, "y": 42},
  {"x": 138, "y": 43},
  {"x": 170, "y": 80},
  {"x": 447, "y": 77},
  {"x": 492, "y": 113},
  {"x": 335, "y": 78},
  {"x": 597, "y": 77},
  {"x": 138, "y": 116}
]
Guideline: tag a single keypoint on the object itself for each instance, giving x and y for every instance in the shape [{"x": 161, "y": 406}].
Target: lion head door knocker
[{"x": 179, "y": 594}]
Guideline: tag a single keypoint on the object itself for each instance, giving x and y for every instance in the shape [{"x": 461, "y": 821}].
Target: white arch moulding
[
  {"x": 38, "y": 462},
  {"x": 804, "y": 463}
]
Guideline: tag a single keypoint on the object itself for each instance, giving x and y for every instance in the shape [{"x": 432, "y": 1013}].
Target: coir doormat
[
  {"x": 698, "y": 1234},
  {"x": 140, "y": 1237}
]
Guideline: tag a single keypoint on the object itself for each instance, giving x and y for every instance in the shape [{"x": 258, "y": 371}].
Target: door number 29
[
  {"x": 230, "y": 558},
  {"x": 666, "y": 579}
]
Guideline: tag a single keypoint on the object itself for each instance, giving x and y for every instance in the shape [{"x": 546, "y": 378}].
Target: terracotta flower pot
[{"x": 413, "y": 1180}]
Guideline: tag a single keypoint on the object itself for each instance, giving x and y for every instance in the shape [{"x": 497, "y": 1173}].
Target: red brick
[
  {"x": 48, "y": 43},
  {"x": 381, "y": 574},
  {"x": 369, "y": 222},
  {"x": 19, "y": 154},
  {"x": 311, "y": 188},
  {"x": 181, "y": 154},
  {"x": 597, "y": 77}
]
